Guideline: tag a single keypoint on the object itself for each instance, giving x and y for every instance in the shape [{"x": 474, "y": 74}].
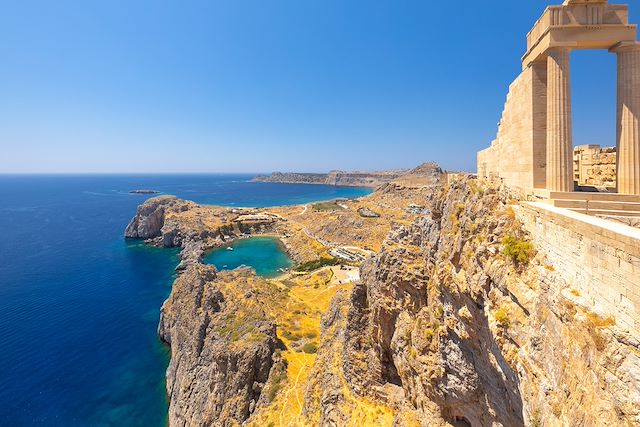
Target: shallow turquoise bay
[{"x": 265, "y": 255}]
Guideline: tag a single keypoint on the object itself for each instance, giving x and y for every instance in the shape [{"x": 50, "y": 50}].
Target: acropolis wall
[{"x": 599, "y": 259}]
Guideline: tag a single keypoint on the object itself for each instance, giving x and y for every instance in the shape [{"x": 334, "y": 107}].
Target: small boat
[{"x": 229, "y": 248}]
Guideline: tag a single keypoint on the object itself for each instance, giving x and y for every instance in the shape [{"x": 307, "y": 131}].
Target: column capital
[
  {"x": 558, "y": 51},
  {"x": 561, "y": 48},
  {"x": 625, "y": 46}
]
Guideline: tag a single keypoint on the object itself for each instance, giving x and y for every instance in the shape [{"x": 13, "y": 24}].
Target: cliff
[
  {"x": 222, "y": 345},
  {"x": 458, "y": 321}
]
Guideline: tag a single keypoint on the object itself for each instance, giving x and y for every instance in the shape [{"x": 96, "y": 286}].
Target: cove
[
  {"x": 266, "y": 255},
  {"x": 80, "y": 305}
]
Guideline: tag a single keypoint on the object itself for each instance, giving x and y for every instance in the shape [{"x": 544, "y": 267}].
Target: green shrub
[
  {"x": 316, "y": 264},
  {"x": 277, "y": 379},
  {"x": 310, "y": 348},
  {"x": 517, "y": 250},
  {"x": 429, "y": 333},
  {"x": 535, "y": 419},
  {"x": 291, "y": 336},
  {"x": 502, "y": 316},
  {"x": 328, "y": 206}
]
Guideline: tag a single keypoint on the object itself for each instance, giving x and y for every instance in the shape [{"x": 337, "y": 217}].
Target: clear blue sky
[{"x": 262, "y": 85}]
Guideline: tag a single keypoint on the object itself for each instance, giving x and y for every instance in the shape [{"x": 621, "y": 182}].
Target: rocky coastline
[{"x": 441, "y": 329}]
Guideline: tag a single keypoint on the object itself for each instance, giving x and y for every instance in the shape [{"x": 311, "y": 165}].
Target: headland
[
  {"x": 450, "y": 307},
  {"x": 337, "y": 178}
]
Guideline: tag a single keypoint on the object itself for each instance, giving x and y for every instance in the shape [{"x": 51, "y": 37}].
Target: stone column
[
  {"x": 559, "y": 132},
  {"x": 628, "y": 134}
]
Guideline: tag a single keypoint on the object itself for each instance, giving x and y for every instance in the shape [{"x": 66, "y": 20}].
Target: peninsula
[
  {"x": 506, "y": 298},
  {"x": 459, "y": 311},
  {"x": 341, "y": 178}
]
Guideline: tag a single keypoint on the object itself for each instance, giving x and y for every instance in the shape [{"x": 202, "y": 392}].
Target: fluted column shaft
[
  {"x": 628, "y": 131},
  {"x": 559, "y": 131}
]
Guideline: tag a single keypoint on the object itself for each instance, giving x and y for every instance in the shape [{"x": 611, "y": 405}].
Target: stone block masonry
[
  {"x": 598, "y": 258},
  {"x": 518, "y": 154},
  {"x": 594, "y": 166},
  {"x": 534, "y": 146}
]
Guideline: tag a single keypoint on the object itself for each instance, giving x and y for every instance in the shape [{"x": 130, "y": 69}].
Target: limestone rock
[
  {"x": 149, "y": 218},
  {"x": 446, "y": 326},
  {"x": 222, "y": 347}
]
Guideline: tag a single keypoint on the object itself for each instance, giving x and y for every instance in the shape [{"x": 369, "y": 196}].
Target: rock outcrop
[
  {"x": 222, "y": 346},
  {"x": 457, "y": 321},
  {"x": 450, "y": 328},
  {"x": 149, "y": 218}
]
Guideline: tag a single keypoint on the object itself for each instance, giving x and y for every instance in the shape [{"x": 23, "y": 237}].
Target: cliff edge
[{"x": 456, "y": 319}]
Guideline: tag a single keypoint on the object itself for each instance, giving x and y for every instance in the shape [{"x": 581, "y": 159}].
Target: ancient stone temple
[{"x": 534, "y": 149}]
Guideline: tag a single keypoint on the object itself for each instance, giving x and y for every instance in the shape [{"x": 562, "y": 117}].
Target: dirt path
[
  {"x": 304, "y": 210},
  {"x": 293, "y": 388}
]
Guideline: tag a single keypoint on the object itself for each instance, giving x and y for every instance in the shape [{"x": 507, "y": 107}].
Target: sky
[{"x": 269, "y": 85}]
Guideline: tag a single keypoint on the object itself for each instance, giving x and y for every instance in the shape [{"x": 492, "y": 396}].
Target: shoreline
[
  {"x": 287, "y": 206},
  {"x": 305, "y": 235},
  {"x": 371, "y": 186}
]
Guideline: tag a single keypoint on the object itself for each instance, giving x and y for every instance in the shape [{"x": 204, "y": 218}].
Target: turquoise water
[
  {"x": 79, "y": 304},
  {"x": 264, "y": 254}
]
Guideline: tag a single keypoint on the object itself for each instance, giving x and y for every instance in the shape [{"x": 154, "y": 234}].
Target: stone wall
[
  {"x": 594, "y": 166},
  {"x": 597, "y": 258},
  {"x": 518, "y": 154}
]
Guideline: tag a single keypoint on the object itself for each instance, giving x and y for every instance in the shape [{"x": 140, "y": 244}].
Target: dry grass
[{"x": 298, "y": 326}]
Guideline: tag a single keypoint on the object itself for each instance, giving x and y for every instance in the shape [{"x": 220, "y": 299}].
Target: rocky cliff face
[
  {"x": 222, "y": 345},
  {"x": 457, "y": 321},
  {"x": 149, "y": 218},
  {"x": 448, "y": 329},
  {"x": 361, "y": 179},
  {"x": 167, "y": 221}
]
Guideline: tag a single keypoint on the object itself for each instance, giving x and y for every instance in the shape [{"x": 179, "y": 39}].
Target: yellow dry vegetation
[
  {"x": 198, "y": 216},
  {"x": 355, "y": 410},
  {"x": 346, "y": 226},
  {"x": 362, "y": 411},
  {"x": 298, "y": 325}
]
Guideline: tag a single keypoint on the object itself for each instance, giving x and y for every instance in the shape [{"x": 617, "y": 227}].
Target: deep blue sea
[{"x": 79, "y": 305}]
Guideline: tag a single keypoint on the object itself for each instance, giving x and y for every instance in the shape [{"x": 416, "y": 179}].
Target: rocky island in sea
[
  {"x": 144, "y": 191},
  {"x": 442, "y": 315}
]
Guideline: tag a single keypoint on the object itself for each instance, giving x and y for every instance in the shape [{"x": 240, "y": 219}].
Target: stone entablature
[
  {"x": 534, "y": 145},
  {"x": 579, "y": 25}
]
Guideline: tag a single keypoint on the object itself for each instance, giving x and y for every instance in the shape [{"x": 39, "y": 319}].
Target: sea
[{"x": 79, "y": 304}]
